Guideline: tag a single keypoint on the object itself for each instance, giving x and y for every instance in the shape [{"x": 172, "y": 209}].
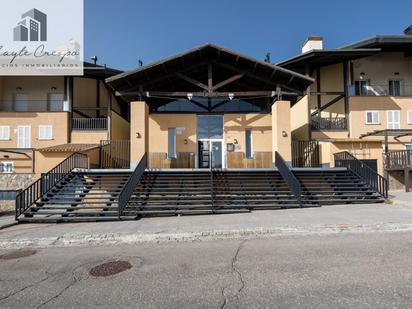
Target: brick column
[
  {"x": 281, "y": 130},
  {"x": 139, "y": 131}
]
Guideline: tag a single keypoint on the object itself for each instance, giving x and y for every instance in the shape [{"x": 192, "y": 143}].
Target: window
[
  {"x": 409, "y": 117},
  {"x": 6, "y": 167},
  {"x": 248, "y": 135},
  {"x": 394, "y": 120},
  {"x": 209, "y": 127},
  {"x": 23, "y": 136},
  {"x": 4, "y": 133},
  {"x": 372, "y": 117},
  {"x": 45, "y": 132},
  {"x": 171, "y": 148},
  {"x": 394, "y": 88},
  {"x": 408, "y": 146}
]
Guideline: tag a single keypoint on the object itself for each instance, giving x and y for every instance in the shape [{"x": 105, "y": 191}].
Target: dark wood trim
[
  {"x": 330, "y": 103},
  {"x": 318, "y": 97},
  {"x": 227, "y": 81},
  {"x": 192, "y": 81}
]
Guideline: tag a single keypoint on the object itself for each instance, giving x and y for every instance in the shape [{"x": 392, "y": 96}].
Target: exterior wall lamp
[
  {"x": 284, "y": 134},
  {"x": 19, "y": 88},
  {"x": 235, "y": 141},
  {"x": 138, "y": 135}
]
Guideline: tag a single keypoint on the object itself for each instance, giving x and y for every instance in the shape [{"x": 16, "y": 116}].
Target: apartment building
[
  {"x": 361, "y": 97},
  {"x": 44, "y": 119}
]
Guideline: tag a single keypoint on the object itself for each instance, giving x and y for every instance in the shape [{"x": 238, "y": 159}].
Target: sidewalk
[{"x": 308, "y": 221}]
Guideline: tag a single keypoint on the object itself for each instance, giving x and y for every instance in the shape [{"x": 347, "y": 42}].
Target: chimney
[
  {"x": 94, "y": 59},
  {"x": 408, "y": 31},
  {"x": 313, "y": 42}
]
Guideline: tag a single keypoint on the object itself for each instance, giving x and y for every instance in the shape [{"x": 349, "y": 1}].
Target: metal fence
[
  {"x": 288, "y": 176},
  {"x": 89, "y": 124},
  {"x": 305, "y": 153},
  {"x": 323, "y": 123},
  {"x": 115, "y": 154}
]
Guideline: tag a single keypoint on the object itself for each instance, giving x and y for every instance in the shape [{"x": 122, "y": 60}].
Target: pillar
[
  {"x": 281, "y": 130},
  {"x": 139, "y": 131}
]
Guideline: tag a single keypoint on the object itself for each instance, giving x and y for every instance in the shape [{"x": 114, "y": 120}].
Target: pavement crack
[
  {"x": 234, "y": 270},
  {"x": 23, "y": 288},
  {"x": 73, "y": 281}
]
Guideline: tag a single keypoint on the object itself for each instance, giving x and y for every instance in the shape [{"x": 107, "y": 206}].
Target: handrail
[
  {"x": 377, "y": 182},
  {"x": 40, "y": 187},
  {"x": 288, "y": 176},
  {"x": 211, "y": 178},
  {"x": 131, "y": 184}
]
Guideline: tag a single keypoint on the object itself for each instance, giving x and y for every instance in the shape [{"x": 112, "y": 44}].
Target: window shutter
[{"x": 4, "y": 132}]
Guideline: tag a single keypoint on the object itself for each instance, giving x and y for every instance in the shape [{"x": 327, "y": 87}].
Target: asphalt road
[{"x": 331, "y": 271}]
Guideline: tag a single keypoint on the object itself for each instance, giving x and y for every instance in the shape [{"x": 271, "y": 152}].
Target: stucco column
[
  {"x": 281, "y": 130},
  {"x": 139, "y": 131}
]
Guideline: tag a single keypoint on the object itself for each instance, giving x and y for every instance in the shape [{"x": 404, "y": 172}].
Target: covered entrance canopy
[
  {"x": 209, "y": 78},
  {"x": 395, "y": 133}
]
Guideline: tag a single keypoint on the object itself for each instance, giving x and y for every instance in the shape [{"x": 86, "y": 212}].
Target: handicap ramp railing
[
  {"x": 47, "y": 181},
  {"x": 288, "y": 176},
  {"x": 377, "y": 182},
  {"x": 131, "y": 184}
]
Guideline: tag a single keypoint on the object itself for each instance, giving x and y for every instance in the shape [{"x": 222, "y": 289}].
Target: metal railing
[
  {"x": 398, "y": 159},
  {"x": 131, "y": 184},
  {"x": 32, "y": 106},
  {"x": 323, "y": 123},
  {"x": 288, "y": 176},
  {"x": 40, "y": 187},
  {"x": 377, "y": 182},
  {"x": 305, "y": 153},
  {"x": 89, "y": 124},
  {"x": 380, "y": 90},
  {"x": 115, "y": 154}
]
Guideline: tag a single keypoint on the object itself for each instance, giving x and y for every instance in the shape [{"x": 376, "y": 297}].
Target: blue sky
[{"x": 120, "y": 32}]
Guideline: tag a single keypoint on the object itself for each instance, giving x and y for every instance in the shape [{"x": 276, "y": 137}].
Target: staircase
[
  {"x": 199, "y": 192},
  {"x": 94, "y": 196},
  {"x": 80, "y": 196},
  {"x": 335, "y": 186}
]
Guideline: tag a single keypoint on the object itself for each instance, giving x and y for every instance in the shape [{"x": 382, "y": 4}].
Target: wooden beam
[
  {"x": 209, "y": 78},
  {"x": 227, "y": 81},
  {"x": 184, "y": 94},
  {"x": 192, "y": 81},
  {"x": 338, "y": 98}
]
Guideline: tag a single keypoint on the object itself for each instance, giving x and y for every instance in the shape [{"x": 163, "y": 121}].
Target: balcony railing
[
  {"x": 33, "y": 106},
  {"x": 89, "y": 124},
  {"x": 323, "y": 123},
  {"x": 398, "y": 159},
  {"x": 380, "y": 90}
]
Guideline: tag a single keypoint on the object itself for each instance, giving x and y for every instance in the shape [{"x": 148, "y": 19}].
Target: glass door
[{"x": 210, "y": 153}]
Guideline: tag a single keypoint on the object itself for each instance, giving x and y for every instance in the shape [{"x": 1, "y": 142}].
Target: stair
[
  {"x": 82, "y": 196},
  {"x": 93, "y": 196},
  {"x": 335, "y": 186}
]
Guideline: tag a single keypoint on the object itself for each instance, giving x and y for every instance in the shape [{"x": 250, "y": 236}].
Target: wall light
[
  {"x": 190, "y": 96},
  {"x": 235, "y": 141},
  {"x": 361, "y": 75},
  {"x": 396, "y": 73},
  {"x": 19, "y": 88},
  {"x": 284, "y": 134},
  {"x": 185, "y": 141},
  {"x": 53, "y": 88},
  {"x": 138, "y": 135}
]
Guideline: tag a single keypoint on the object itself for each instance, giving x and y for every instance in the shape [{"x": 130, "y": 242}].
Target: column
[
  {"x": 281, "y": 130},
  {"x": 139, "y": 131}
]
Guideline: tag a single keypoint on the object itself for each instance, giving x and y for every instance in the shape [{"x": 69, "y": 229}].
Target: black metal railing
[
  {"x": 115, "y": 154},
  {"x": 40, "y": 187},
  {"x": 131, "y": 184},
  {"x": 89, "y": 124},
  {"x": 332, "y": 123},
  {"x": 305, "y": 153},
  {"x": 377, "y": 182},
  {"x": 288, "y": 176},
  {"x": 398, "y": 159}
]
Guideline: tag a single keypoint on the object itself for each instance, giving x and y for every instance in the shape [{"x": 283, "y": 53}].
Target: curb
[{"x": 83, "y": 240}]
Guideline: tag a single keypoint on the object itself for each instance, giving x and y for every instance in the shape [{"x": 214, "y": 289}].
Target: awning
[{"x": 70, "y": 148}]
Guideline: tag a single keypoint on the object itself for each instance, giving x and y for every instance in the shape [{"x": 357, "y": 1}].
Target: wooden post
[{"x": 406, "y": 179}]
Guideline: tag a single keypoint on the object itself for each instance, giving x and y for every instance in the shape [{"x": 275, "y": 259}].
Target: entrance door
[
  {"x": 21, "y": 102},
  {"x": 210, "y": 153}
]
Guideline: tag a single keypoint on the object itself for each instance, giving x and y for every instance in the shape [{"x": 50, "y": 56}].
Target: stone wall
[
  {"x": 396, "y": 181},
  {"x": 13, "y": 182}
]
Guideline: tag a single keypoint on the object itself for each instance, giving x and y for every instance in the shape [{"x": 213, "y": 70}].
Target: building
[
  {"x": 362, "y": 96},
  {"x": 44, "y": 119},
  {"x": 32, "y": 27}
]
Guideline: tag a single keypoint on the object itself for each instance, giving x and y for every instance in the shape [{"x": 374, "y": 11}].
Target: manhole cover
[
  {"x": 17, "y": 254},
  {"x": 110, "y": 268}
]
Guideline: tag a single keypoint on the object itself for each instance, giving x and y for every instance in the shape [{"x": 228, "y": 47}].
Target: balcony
[
  {"x": 34, "y": 106},
  {"x": 89, "y": 124},
  {"x": 380, "y": 90},
  {"x": 329, "y": 124},
  {"x": 398, "y": 159}
]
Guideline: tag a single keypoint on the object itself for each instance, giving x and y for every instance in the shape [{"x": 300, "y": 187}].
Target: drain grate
[
  {"x": 110, "y": 268},
  {"x": 17, "y": 254}
]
